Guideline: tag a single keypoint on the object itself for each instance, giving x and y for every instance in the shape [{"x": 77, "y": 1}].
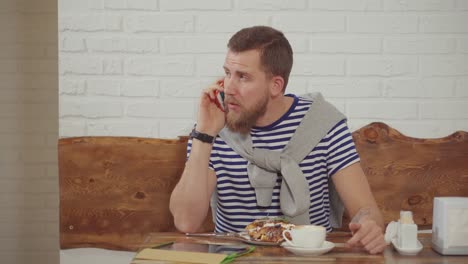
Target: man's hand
[
  {"x": 210, "y": 118},
  {"x": 368, "y": 234},
  {"x": 367, "y": 223}
]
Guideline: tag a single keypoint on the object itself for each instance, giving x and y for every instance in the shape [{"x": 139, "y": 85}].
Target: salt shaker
[{"x": 407, "y": 230}]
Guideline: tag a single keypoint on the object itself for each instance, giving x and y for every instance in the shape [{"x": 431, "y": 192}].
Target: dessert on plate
[{"x": 268, "y": 229}]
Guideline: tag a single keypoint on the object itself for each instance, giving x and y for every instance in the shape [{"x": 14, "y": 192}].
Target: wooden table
[{"x": 340, "y": 254}]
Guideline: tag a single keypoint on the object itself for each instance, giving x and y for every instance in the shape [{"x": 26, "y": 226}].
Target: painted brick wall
[
  {"x": 136, "y": 68},
  {"x": 28, "y": 132}
]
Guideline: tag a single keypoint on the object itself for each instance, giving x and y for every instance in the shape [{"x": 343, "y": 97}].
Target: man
[{"x": 257, "y": 68}]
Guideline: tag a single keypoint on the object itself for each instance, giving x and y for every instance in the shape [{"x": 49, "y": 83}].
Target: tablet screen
[{"x": 207, "y": 248}]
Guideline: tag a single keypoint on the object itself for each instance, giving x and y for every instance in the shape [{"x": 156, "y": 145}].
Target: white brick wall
[
  {"x": 29, "y": 131},
  {"x": 136, "y": 68}
]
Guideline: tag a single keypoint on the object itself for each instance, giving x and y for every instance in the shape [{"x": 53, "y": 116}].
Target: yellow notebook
[
  {"x": 179, "y": 256},
  {"x": 191, "y": 253}
]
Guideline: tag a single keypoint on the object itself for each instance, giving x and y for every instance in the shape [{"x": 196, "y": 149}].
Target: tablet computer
[{"x": 206, "y": 248}]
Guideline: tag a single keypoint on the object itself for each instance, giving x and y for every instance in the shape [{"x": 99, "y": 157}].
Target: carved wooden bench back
[
  {"x": 407, "y": 173},
  {"x": 115, "y": 190}
]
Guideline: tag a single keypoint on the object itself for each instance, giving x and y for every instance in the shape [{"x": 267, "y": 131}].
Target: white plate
[
  {"x": 407, "y": 251},
  {"x": 327, "y": 246},
  {"x": 241, "y": 236}
]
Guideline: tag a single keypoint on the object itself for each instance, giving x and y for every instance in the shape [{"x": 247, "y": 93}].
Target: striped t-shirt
[{"x": 237, "y": 205}]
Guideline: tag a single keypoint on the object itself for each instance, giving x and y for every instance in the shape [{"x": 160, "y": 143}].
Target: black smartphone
[{"x": 220, "y": 99}]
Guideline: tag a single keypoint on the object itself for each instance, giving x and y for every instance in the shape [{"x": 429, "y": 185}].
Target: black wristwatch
[{"x": 202, "y": 137}]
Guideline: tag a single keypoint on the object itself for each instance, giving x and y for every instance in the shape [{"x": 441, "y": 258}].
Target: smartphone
[{"x": 219, "y": 101}]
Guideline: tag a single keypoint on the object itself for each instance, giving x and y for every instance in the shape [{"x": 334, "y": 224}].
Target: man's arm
[
  {"x": 190, "y": 199},
  {"x": 367, "y": 227}
]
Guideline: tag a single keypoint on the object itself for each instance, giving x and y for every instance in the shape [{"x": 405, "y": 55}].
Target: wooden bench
[
  {"x": 115, "y": 190},
  {"x": 407, "y": 173}
]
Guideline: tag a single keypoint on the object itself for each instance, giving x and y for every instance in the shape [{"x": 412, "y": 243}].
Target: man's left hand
[{"x": 368, "y": 234}]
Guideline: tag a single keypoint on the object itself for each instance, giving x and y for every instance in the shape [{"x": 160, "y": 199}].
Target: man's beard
[{"x": 246, "y": 119}]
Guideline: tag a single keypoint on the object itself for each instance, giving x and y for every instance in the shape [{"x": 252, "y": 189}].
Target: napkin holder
[{"x": 450, "y": 225}]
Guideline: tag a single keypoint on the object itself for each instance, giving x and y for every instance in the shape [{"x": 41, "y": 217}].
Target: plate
[
  {"x": 326, "y": 247},
  {"x": 242, "y": 237},
  {"x": 407, "y": 251}
]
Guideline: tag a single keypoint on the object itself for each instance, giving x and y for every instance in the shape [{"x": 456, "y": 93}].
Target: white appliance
[{"x": 450, "y": 225}]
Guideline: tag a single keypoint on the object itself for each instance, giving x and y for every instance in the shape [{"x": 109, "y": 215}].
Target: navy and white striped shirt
[{"x": 237, "y": 204}]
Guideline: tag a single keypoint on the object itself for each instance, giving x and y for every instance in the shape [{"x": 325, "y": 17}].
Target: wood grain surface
[
  {"x": 115, "y": 190},
  {"x": 339, "y": 254},
  {"x": 407, "y": 173}
]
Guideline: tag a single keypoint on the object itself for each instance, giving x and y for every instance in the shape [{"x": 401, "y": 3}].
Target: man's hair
[{"x": 276, "y": 55}]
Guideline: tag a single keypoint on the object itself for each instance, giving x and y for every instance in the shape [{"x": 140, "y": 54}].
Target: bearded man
[{"x": 247, "y": 154}]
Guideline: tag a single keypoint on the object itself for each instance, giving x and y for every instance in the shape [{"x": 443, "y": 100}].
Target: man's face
[{"x": 246, "y": 88}]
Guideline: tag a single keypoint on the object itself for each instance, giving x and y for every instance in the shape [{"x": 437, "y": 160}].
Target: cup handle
[{"x": 289, "y": 242}]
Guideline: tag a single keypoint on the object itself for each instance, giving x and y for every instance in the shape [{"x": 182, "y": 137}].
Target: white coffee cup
[{"x": 307, "y": 236}]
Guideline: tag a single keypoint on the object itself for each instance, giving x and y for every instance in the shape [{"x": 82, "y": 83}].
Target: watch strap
[{"x": 202, "y": 136}]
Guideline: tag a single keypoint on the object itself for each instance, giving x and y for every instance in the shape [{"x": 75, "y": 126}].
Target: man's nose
[{"x": 229, "y": 86}]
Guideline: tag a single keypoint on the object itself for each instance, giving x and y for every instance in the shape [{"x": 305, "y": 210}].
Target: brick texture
[{"x": 138, "y": 67}]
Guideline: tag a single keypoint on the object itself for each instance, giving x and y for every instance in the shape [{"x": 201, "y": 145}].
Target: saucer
[
  {"x": 407, "y": 251},
  {"x": 303, "y": 251}
]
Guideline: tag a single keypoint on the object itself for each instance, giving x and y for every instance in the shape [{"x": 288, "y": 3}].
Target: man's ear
[{"x": 277, "y": 84}]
